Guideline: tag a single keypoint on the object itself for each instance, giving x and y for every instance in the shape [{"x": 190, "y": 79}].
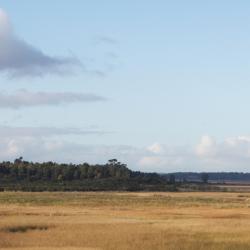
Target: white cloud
[
  {"x": 156, "y": 148},
  {"x": 25, "y": 98},
  {"x": 207, "y": 146},
  {"x": 18, "y": 58},
  {"x": 231, "y": 154}
]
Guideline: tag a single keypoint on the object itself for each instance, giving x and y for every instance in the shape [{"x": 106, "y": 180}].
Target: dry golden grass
[{"x": 114, "y": 221}]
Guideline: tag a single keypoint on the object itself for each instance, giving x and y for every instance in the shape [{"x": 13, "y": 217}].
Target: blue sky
[{"x": 161, "y": 85}]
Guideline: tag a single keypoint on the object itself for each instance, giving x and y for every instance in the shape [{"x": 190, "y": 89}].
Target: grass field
[{"x": 137, "y": 221}]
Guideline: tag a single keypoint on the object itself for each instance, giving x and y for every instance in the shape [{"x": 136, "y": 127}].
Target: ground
[{"x": 136, "y": 221}]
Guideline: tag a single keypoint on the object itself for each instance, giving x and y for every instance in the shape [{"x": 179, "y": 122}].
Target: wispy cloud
[
  {"x": 19, "y": 58},
  {"x": 105, "y": 40},
  {"x": 17, "y": 132},
  {"x": 25, "y": 98}
]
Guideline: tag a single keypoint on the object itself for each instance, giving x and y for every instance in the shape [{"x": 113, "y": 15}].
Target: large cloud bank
[{"x": 42, "y": 144}]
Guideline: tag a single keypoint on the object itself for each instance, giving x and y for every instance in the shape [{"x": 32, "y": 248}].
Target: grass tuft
[{"x": 25, "y": 228}]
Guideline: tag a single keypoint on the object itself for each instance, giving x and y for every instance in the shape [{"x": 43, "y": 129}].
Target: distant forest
[
  {"x": 211, "y": 177},
  {"x": 22, "y": 175},
  {"x": 51, "y": 176}
]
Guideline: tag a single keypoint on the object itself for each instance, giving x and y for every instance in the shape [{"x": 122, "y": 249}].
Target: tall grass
[{"x": 119, "y": 221}]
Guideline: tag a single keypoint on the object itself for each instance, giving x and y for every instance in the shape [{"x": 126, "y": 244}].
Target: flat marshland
[{"x": 137, "y": 221}]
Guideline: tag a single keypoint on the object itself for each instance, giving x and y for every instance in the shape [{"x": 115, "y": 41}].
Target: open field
[{"x": 137, "y": 221}]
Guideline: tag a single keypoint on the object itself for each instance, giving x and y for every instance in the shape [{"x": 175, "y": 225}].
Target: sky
[{"x": 163, "y": 86}]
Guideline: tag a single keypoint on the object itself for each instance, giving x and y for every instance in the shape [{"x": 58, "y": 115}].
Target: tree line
[
  {"x": 114, "y": 175},
  {"x": 51, "y": 171}
]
